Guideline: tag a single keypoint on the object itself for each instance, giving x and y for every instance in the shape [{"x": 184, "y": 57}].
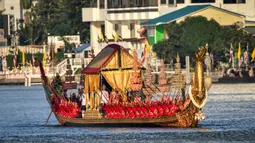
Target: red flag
[{"x": 120, "y": 38}]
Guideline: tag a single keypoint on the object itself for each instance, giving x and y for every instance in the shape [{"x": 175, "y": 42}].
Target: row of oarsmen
[{"x": 154, "y": 110}]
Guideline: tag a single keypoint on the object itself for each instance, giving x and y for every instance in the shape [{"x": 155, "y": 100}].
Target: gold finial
[
  {"x": 177, "y": 58},
  {"x": 206, "y": 46}
]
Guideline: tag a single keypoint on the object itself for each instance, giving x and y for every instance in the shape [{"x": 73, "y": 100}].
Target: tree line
[
  {"x": 52, "y": 17},
  {"x": 187, "y": 36}
]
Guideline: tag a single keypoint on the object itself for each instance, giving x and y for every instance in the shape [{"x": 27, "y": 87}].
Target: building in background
[
  {"x": 222, "y": 16},
  {"x": 12, "y": 14},
  {"x": 124, "y": 17},
  {"x": 118, "y": 18},
  {"x": 58, "y": 42},
  {"x": 3, "y": 41},
  {"x": 11, "y": 7},
  {"x": 13, "y": 17},
  {"x": 82, "y": 55}
]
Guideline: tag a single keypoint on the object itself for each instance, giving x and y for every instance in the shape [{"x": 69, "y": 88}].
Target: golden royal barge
[{"x": 137, "y": 102}]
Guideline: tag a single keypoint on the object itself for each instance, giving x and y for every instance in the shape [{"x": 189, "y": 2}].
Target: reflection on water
[{"x": 230, "y": 116}]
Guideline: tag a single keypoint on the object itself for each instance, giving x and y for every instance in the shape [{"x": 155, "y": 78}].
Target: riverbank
[
  {"x": 19, "y": 81},
  {"x": 19, "y": 78}
]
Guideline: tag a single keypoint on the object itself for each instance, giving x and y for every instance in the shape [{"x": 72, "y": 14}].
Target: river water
[{"x": 230, "y": 117}]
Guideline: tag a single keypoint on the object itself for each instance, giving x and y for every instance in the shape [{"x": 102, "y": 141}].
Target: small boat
[{"x": 140, "y": 102}]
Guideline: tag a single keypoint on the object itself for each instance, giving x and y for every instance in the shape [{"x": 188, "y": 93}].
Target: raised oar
[{"x": 48, "y": 118}]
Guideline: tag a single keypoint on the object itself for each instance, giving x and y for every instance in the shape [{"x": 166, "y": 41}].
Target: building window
[
  {"x": 177, "y": 1},
  {"x": 86, "y": 54},
  {"x": 163, "y": 1},
  {"x": 132, "y": 30},
  {"x": 12, "y": 7},
  {"x": 91, "y": 3},
  {"x": 151, "y": 31},
  {"x": 101, "y": 4},
  {"x": 138, "y": 3},
  {"x": 180, "y": 1},
  {"x": 170, "y": 1},
  {"x": 233, "y": 1},
  {"x": 131, "y": 3},
  {"x": 153, "y": 3},
  {"x": 202, "y": 1},
  {"x": 116, "y": 27}
]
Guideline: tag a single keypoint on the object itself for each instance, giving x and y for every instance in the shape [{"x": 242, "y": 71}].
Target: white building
[
  {"x": 244, "y": 7},
  {"x": 12, "y": 13},
  {"x": 58, "y": 42},
  {"x": 13, "y": 16},
  {"x": 13, "y": 9},
  {"x": 125, "y": 16}
]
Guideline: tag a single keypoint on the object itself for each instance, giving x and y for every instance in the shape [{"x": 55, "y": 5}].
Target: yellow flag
[
  {"x": 253, "y": 55},
  {"x": 133, "y": 48},
  {"x": 44, "y": 58},
  {"x": 30, "y": 64},
  {"x": 23, "y": 58},
  {"x": 239, "y": 52},
  {"x": 102, "y": 37},
  {"x": 116, "y": 37},
  {"x": 147, "y": 46}
]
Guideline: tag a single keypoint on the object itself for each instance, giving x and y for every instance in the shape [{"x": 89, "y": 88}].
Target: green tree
[
  {"x": 234, "y": 36},
  {"x": 59, "y": 57},
  {"x": 197, "y": 31},
  {"x": 56, "y": 17},
  {"x": 25, "y": 4},
  {"x": 61, "y": 29},
  {"x": 74, "y": 12},
  {"x": 187, "y": 36},
  {"x": 164, "y": 53}
]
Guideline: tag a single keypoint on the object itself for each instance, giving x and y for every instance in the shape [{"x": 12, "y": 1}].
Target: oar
[{"x": 48, "y": 118}]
